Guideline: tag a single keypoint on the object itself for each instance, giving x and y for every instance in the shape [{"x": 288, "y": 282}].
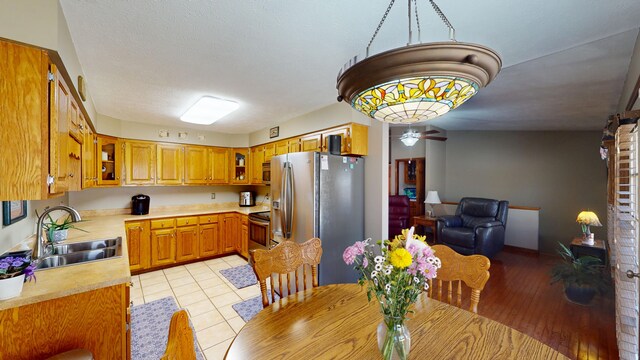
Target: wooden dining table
[{"x": 337, "y": 322}]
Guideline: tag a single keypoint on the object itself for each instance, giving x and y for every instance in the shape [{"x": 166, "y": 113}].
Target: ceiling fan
[{"x": 411, "y": 137}]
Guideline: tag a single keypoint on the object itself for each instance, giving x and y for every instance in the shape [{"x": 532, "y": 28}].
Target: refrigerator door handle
[{"x": 286, "y": 192}]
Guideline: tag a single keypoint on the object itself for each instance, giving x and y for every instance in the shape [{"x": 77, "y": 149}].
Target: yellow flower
[{"x": 400, "y": 258}]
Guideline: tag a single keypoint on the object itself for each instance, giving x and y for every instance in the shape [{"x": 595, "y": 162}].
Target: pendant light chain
[
  {"x": 452, "y": 31},
  {"x": 384, "y": 17},
  {"x": 415, "y": 6}
]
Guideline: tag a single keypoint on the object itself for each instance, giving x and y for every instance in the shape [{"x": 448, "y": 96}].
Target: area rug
[
  {"x": 240, "y": 276},
  {"x": 250, "y": 308},
  {"x": 150, "y": 329}
]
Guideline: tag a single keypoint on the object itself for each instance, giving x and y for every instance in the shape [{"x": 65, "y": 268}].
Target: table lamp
[
  {"x": 432, "y": 199},
  {"x": 587, "y": 219}
]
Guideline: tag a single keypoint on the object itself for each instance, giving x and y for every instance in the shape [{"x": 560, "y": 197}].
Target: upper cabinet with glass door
[{"x": 240, "y": 166}]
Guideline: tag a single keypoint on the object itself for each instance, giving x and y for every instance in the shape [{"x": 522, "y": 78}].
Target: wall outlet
[{"x": 213, "y": 195}]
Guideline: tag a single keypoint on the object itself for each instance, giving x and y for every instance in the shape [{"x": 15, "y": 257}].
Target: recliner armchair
[
  {"x": 399, "y": 214},
  {"x": 478, "y": 227}
]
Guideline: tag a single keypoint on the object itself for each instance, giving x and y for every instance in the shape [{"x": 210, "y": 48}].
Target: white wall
[
  {"x": 401, "y": 151},
  {"x": 132, "y": 130},
  {"x": 376, "y": 183},
  {"x": 632, "y": 77},
  {"x": 435, "y": 164},
  {"x": 326, "y": 117},
  {"x": 560, "y": 172},
  {"x": 120, "y": 197},
  {"x": 23, "y": 229}
]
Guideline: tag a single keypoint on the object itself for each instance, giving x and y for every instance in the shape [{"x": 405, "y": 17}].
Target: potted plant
[
  {"x": 582, "y": 277},
  {"x": 58, "y": 231},
  {"x": 13, "y": 272}
]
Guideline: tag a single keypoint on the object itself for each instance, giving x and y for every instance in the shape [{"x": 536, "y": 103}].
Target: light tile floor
[{"x": 207, "y": 296}]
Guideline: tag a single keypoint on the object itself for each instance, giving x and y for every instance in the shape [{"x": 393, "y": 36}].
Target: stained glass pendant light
[{"x": 417, "y": 82}]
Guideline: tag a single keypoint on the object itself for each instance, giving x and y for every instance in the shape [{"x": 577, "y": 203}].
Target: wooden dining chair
[
  {"x": 286, "y": 258},
  {"x": 473, "y": 270},
  {"x": 180, "y": 344}
]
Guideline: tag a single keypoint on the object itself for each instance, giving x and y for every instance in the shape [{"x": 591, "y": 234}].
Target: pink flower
[
  {"x": 359, "y": 247},
  {"x": 349, "y": 255},
  {"x": 429, "y": 271},
  {"x": 365, "y": 262},
  {"x": 427, "y": 252},
  {"x": 412, "y": 249}
]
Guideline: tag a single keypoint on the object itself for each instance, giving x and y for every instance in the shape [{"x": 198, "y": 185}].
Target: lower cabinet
[
  {"x": 209, "y": 236},
  {"x": 187, "y": 243},
  {"x": 162, "y": 242},
  {"x": 138, "y": 244},
  {"x": 163, "y": 247},
  {"x": 231, "y": 231},
  {"x": 95, "y": 320},
  {"x": 244, "y": 239}
]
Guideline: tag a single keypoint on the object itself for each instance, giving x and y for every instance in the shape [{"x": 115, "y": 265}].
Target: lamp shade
[
  {"x": 410, "y": 138},
  {"x": 432, "y": 197},
  {"x": 588, "y": 218}
]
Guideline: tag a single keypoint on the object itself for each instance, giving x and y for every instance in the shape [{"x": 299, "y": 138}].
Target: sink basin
[
  {"x": 84, "y": 246},
  {"x": 80, "y": 253}
]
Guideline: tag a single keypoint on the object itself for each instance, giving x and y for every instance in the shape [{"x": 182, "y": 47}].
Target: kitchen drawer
[
  {"x": 208, "y": 219},
  {"x": 188, "y": 220},
  {"x": 162, "y": 223}
]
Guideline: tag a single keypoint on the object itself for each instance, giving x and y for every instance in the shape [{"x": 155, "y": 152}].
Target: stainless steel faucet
[{"x": 41, "y": 243}]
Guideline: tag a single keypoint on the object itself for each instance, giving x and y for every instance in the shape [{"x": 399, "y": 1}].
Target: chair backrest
[
  {"x": 474, "y": 211},
  {"x": 399, "y": 205},
  {"x": 180, "y": 344},
  {"x": 473, "y": 270},
  {"x": 285, "y": 258}
]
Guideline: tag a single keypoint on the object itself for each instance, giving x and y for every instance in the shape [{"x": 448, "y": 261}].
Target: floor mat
[
  {"x": 150, "y": 329},
  {"x": 250, "y": 308},
  {"x": 240, "y": 276}
]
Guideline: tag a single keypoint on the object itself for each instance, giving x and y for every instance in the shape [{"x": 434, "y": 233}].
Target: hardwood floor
[{"x": 519, "y": 295}]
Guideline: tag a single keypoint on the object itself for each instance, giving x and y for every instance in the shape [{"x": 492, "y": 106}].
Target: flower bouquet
[
  {"x": 396, "y": 271},
  {"x": 14, "y": 270}
]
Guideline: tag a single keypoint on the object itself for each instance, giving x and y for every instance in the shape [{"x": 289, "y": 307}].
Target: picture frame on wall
[
  {"x": 274, "y": 132},
  {"x": 13, "y": 211}
]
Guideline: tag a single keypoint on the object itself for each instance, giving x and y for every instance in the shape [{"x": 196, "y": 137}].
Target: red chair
[{"x": 399, "y": 214}]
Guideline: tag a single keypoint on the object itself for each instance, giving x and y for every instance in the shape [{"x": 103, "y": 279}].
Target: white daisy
[
  {"x": 379, "y": 259},
  {"x": 378, "y": 267},
  {"x": 374, "y": 274}
]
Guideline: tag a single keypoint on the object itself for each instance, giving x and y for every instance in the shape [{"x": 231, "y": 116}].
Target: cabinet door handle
[{"x": 70, "y": 174}]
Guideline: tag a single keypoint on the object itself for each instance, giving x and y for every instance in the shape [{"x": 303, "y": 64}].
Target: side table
[
  {"x": 598, "y": 249},
  {"x": 426, "y": 221}
]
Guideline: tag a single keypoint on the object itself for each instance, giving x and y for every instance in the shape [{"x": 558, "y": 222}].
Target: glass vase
[{"x": 394, "y": 340}]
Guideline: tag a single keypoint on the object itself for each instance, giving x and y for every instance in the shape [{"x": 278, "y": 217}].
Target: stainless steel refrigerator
[{"x": 319, "y": 195}]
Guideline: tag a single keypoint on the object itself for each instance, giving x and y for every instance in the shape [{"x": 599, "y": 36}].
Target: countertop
[{"x": 74, "y": 279}]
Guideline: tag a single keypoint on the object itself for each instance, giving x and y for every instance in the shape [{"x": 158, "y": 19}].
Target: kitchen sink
[
  {"x": 84, "y": 246},
  {"x": 80, "y": 253}
]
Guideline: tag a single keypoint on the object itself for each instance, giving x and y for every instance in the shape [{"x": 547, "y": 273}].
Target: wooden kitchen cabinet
[
  {"x": 281, "y": 147},
  {"x": 138, "y": 244},
  {"x": 187, "y": 238},
  {"x": 163, "y": 247},
  {"x": 269, "y": 151},
  {"x": 219, "y": 165},
  {"x": 209, "y": 236},
  {"x": 170, "y": 164},
  {"x": 139, "y": 162},
  {"x": 257, "y": 159},
  {"x": 239, "y": 166},
  {"x": 89, "y": 165},
  {"x": 244, "y": 236},
  {"x": 95, "y": 320},
  {"x": 74, "y": 166},
  {"x": 25, "y": 122},
  {"x": 59, "y": 102},
  {"x": 194, "y": 159},
  {"x": 294, "y": 145},
  {"x": 231, "y": 232},
  {"x": 312, "y": 142},
  {"x": 354, "y": 139},
  {"x": 110, "y": 160}
]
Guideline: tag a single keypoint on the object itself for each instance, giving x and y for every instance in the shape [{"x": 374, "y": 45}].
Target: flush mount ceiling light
[
  {"x": 410, "y": 138},
  {"x": 417, "y": 82},
  {"x": 208, "y": 110}
]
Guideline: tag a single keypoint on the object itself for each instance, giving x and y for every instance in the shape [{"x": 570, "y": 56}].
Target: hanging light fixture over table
[
  {"x": 417, "y": 82},
  {"x": 410, "y": 138}
]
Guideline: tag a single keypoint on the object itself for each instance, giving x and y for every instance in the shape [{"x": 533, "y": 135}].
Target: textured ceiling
[{"x": 148, "y": 60}]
